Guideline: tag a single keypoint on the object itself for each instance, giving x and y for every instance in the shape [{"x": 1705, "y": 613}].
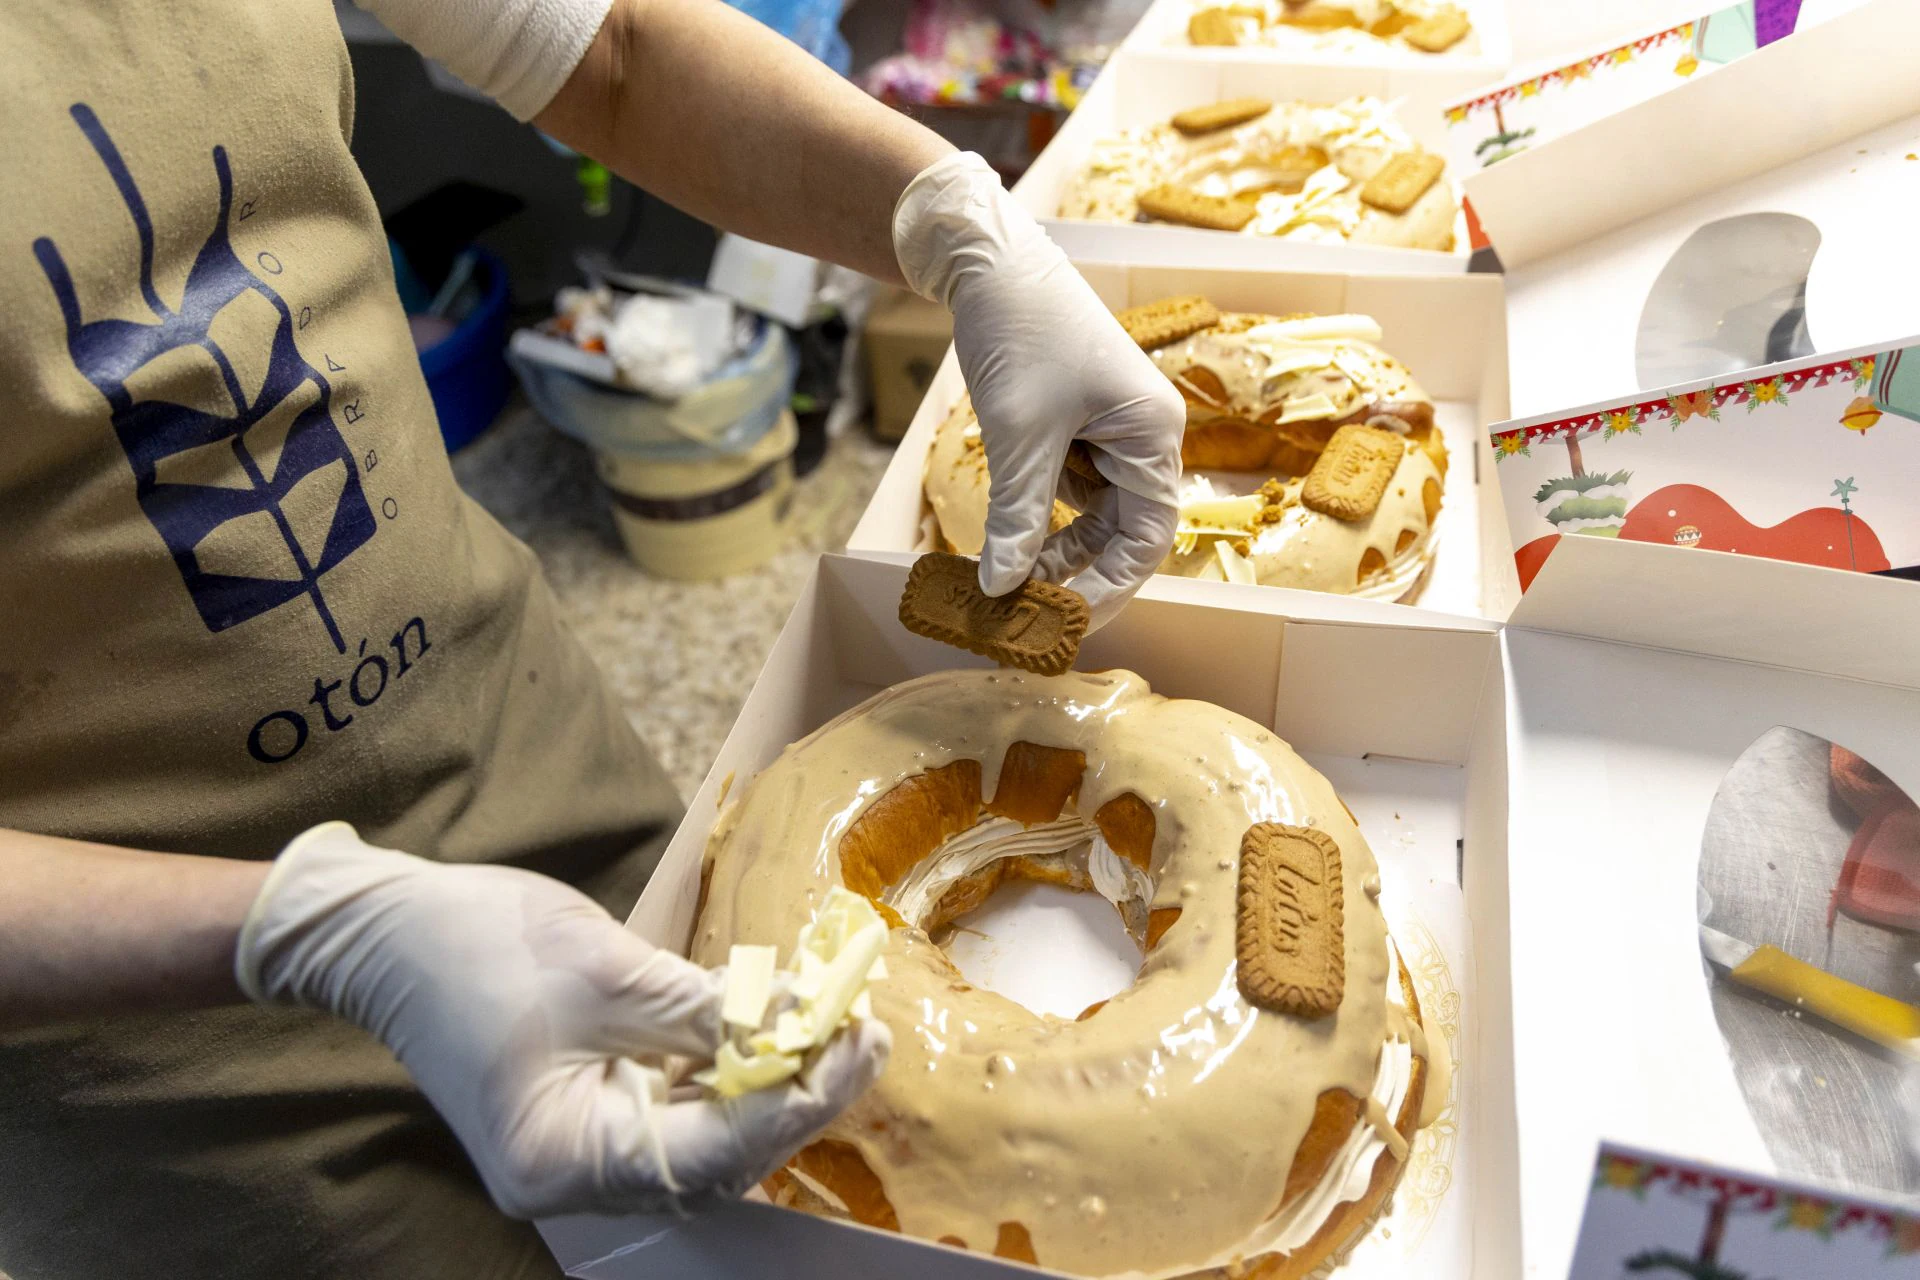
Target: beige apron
[{"x": 240, "y": 593}]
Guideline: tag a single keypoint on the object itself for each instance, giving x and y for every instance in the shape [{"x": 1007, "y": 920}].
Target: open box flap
[
  {"x": 1616, "y": 754},
  {"x": 1550, "y": 98},
  {"x": 1800, "y": 461},
  {"x": 1741, "y": 608},
  {"x": 1816, "y": 88},
  {"x": 1547, "y": 34}
]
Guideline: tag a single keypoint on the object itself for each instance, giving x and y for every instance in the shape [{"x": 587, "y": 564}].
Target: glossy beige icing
[
  {"x": 1358, "y": 136},
  {"x": 955, "y": 479},
  {"x": 1302, "y": 548},
  {"x": 1309, "y": 368},
  {"x": 1154, "y": 1137}
]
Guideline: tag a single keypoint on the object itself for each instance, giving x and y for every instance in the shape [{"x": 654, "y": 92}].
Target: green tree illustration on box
[
  {"x": 1593, "y": 503},
  {"x": 1504, "y": 142},
  {"x": 1723, "y": 1197},
  {"x": 1726, "y": 1196}
]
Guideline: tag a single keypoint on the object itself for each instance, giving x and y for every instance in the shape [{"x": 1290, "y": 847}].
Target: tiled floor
[{"x": 680, "y": 655}]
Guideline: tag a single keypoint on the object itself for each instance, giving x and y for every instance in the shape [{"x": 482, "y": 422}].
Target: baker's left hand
[
  {"x": 1046, "y": 363},
  {"x": 531, "y": 1020}
]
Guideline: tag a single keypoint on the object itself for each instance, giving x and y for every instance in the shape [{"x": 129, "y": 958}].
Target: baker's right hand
[
  {"x": 1046, "y": 364},
  {"x": 528, "y": 1015}
]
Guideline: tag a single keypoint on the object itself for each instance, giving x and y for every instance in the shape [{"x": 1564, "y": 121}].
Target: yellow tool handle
[{"x": 1881, "y": 1019}]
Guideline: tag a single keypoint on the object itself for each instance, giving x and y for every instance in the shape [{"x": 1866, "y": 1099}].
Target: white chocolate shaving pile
[{"x": 837, "y": 954}]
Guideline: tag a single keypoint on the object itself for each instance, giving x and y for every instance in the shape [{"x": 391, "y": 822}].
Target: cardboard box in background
[
  {"x": 1424, "y": 784},
  {"x": 1422, "y": 81},
  {"x": 1808, "y": 460},
  {"x": 1646, "y": 1202},
  {"x": 1784, "y": 171},
  {"x": 1136, "y": 90},
  {"x": 1542, "y": 34},
  {"x": 906, "y": 339},
  {"x": 1449, "y": 330},
  {"x": 1535, "y": 105}
]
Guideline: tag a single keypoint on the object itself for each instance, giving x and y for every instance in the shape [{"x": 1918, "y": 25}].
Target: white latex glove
[
  {"x": 1045, "y": 362},
  {"x": 520, "y": 1008}
]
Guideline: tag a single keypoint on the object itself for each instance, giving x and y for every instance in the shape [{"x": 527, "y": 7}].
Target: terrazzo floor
[{"x": 679, "y": 655}]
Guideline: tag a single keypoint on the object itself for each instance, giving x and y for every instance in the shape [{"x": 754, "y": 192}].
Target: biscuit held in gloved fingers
[
  {"x": 534, "y": 1023},
  {"x": 1046, "y": 363}
]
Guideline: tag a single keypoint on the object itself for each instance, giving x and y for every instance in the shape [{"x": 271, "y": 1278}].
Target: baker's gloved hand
[
  {"x": 521, "y": 1009},
  {"x": 1045, "y": 363}
]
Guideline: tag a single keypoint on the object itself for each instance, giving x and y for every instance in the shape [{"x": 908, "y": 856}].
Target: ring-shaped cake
[
  {"x": 1264, "y": 396},
  {"x": 1175, "y": 1129}
]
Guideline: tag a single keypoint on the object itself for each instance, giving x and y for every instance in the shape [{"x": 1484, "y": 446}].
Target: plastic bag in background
[
  {"x": 667, "y": 347},
  {"x": 814, "y": 25}
]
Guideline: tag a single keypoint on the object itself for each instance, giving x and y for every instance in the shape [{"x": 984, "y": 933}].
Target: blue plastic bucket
[{"x": 467, "y": 370}]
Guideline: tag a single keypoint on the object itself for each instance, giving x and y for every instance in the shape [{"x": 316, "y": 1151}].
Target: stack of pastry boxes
[{"x": 1533, "y": 772}]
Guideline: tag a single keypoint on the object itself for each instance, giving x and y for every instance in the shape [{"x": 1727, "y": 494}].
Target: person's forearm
[
  {"x": 91, "y": 929},
  {"x": 736, "y": 125}
]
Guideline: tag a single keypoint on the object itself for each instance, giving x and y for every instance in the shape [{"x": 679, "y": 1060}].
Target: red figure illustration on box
[{"x": 1688, "y": 515}]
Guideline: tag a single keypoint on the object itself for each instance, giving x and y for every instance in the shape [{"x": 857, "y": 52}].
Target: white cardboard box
[
  {"x": 1575, "y": 754},
  {"x": 1134, "y": 90},
  {"x": 1816, "y": 126},
  {"x": 1422, "y": 81},
  {"x": 1809, "y": 460},
  {"x": 1427, "y": 788},
  {"x": 1449, "y": 330},
  {"x": 1538, "y": 103},
  {"x": 1636, "y": 675},
  {"x": 1543, "y": 33}
]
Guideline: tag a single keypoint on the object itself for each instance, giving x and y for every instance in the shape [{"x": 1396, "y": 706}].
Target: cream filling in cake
[
  {"x": 1074, "y": 841},
  {"x": 1350, "y": 1172},
  {"x": 1314, "y": 367},
  {"x": 1246, "y": 538},
  {"x": 1358, "y": 136},
  {"x": 1121, "y": 1144}
]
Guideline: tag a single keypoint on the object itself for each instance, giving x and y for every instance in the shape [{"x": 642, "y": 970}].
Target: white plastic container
[
  {"x": 701, "y": 486},
  {"x": 708, "y": 516}
]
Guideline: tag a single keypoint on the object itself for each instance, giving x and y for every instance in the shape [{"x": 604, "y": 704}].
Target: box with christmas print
[
  {"x": 1496, "y": 123},
  {"x": 1807, "y": 460},
  {"x": 1747, "y": 217},
  {"x": 1649, "y": 1212}
]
